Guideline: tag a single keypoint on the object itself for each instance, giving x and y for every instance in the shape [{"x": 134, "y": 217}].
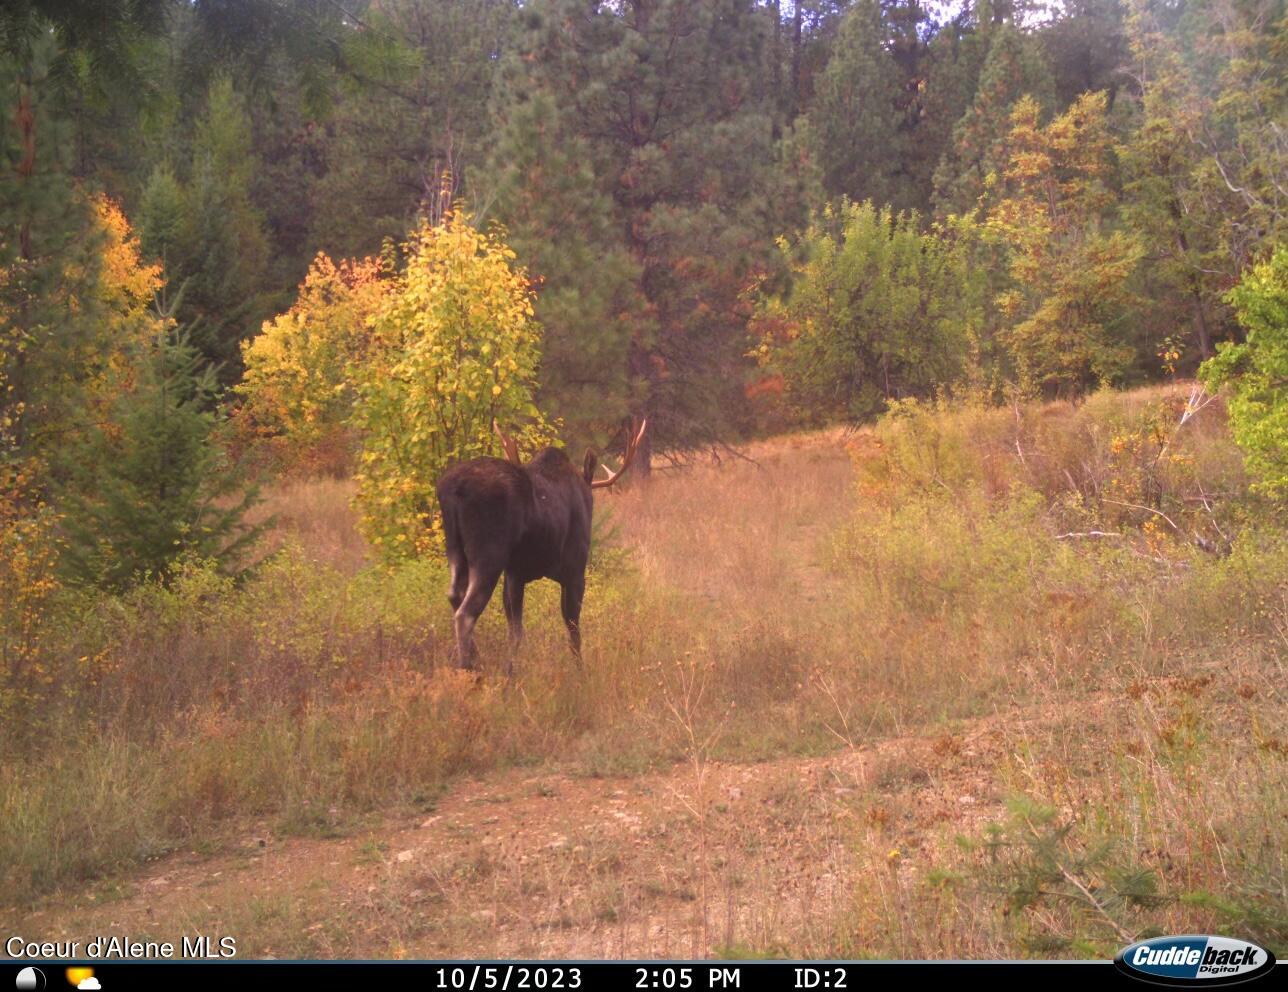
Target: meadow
[{"x": 975, "y": 682}]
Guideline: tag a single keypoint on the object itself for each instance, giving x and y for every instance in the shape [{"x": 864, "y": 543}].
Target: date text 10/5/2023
[{"x": 523, "y": 978}]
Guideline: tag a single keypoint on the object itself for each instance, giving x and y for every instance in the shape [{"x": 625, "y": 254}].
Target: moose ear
[{"x": 589, "y": 465}]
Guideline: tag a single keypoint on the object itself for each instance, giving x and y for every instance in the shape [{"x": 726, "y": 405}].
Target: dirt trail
[{"x": 550, "y": 865}]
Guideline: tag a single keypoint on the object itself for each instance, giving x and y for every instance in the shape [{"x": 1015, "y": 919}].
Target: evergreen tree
[
  {"x": 414, "y": 112},
  {"x": 161, "y": 215},
  {"x": 223, "y": 249},
  {"x": 1085, "y": 47},
  {"x": 49, "y": 258},
  {"x": 152, "y": 485},
  {"x": 1163, "y": 202},
  {"x": 1011, "y": 70},
  {"x": 675, "y": 120},
  {"x": 1205, "y": 165},
  {"x": 856, "y": 121},
  {"x": 1218, "y": 72},
  {"x": 562, "y": 226},
  {"x": 954, "y": 58}
]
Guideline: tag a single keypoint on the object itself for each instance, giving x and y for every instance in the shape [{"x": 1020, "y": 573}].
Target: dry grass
[
  {"x": 893, "y": 620},
  {"x": 317, "y": 515}
]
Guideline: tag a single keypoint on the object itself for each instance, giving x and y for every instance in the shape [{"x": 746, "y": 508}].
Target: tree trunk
[
  {"x": 777, "y": 70},
  {"x": 641, "y": 369},
  {"x": 1201, "y": 324},
  {"x": 796, "y": 60},
  {"x": 1200, "y": 318},
  {"x": 25, "y": 119},
  {"x": 643, "y": 464}
]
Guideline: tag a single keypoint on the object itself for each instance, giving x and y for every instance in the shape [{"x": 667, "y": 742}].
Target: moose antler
[
  {"x": 507, "y": 444},
  {"x": 632, "y": 442}
]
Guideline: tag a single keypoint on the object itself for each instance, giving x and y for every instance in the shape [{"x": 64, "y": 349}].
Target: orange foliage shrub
[{"x": 297, "y": 389}]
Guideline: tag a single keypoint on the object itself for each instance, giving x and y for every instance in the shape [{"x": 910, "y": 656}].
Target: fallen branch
[
  {"x": 1147, "y": 509},
  {"x": 1086, "y": 533}
]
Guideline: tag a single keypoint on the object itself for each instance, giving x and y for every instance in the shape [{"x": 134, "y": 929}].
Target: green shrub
[{"x": 1256, "y": 372}]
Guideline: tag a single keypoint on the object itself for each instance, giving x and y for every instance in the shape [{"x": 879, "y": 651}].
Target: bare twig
[
  {"x": 1018, "y": 428},
  {"x": 1147, "y": 509}
]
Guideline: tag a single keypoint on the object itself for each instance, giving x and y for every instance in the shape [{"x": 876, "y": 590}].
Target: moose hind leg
[
  {"x": 570, "y": 604},
  {"x": 460, "y": 581},
  {"x": 512, "y": 597},
  {"x": 482, "y": 582}
]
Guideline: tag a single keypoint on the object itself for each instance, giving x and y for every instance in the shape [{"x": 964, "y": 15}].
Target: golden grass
[
  {"x": 894, "y": 618},
  {"x": 317, "y": 515}
]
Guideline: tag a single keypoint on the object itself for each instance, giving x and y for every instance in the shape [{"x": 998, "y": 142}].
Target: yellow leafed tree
[
  {"x": 1068, "y": 269},
  {"x": 454, "y": 347},
  {"x": 297, "y": 387},
  {"x": 417, "y": 362}
]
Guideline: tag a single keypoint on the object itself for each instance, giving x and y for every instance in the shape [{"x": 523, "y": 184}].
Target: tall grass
[{"x": 1007, "y": 564}]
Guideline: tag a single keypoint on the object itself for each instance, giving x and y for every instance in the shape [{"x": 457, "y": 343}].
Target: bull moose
[{"x": 526, "y": 522}]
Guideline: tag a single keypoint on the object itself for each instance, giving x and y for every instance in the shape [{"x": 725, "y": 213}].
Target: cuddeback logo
[{"x": 1194, "y": 960}]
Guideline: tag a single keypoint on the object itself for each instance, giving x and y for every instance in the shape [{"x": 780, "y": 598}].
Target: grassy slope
[{"x": 805, "y": 680}]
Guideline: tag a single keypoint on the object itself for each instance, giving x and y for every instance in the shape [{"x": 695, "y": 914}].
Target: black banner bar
[{"x": 560, "y": 976}]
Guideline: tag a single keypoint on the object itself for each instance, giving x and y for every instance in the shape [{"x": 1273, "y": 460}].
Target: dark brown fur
[{"x": 525, "y": 522}]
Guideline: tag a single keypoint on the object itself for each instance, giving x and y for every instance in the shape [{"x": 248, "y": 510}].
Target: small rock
[{"x": 405, "y": 856}]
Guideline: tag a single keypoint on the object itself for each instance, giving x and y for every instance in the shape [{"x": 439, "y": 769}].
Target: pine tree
[
  {"x": 675, "y": 119},
  {"x": 414, "y": 112},
  {"x": 1207, "y": 164},
  {"x": 561, "y": 225},
  {"x": 1086, "y": 46},
  {"x": 49, "y": 260},
  {"x": 1164, "y": 204},
  {"x": 856, "y": 118},
  {"x": 161, "y": 215},
  {"x": 952, "y": 64},
  {"x": 152, "y": 485},
  {"x": 223, "y": 249},
  {"x": 1012, "y": 69}
]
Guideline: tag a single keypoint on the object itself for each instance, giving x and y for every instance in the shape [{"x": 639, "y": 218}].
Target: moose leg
[
  {"x": 482, "y": 583},
  {"x": 460, "y": 582},
  {"x": 512, "y": 597},
  {"x": 573, "y": 590}
]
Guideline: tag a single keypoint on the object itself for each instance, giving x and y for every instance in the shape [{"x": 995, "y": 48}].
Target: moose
[{"x": 526, "y": 522}]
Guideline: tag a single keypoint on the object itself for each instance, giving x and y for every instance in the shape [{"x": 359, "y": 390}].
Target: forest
[{"x": 984, "y": 303}]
